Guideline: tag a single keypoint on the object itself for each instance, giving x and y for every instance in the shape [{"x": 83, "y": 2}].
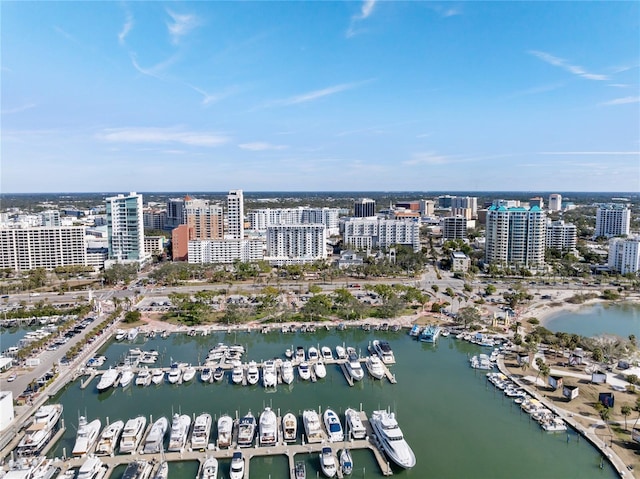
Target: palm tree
[{"x": 625, "y": 410}]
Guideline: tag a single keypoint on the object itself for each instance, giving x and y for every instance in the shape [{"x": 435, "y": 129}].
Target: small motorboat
[
  {"x": 301, "y": 470},
  {"x": 236, "y": 470},
  {"x": 346, "y": 462},
  {"x": 328, "y": 462}
]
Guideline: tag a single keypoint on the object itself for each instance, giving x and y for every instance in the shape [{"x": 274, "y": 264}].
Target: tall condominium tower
[
  {"x": 125, "y": 228},
  {"x": 555, "y": 202},
  {"x": 612, "y": 219},
  {"x": 205, "y": 221},
  {"x": 364, "y": 208},
  {"x": 235, "y": 215},
  {"x": 515, "y": 236}
]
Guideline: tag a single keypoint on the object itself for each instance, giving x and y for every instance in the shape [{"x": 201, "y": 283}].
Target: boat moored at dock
[
  {"x": 328, "y": 462},
  {"x": 374, "y": 366},
  {"x": 312, "y": 426},
  {"x": 201, "y": 431},
  {"x": 268, "y": 426},
  {"x": 108, "y": 379},
  {"x": 236, "y": 470},
  {"x": 132, "y": 434},
  {"x": 346, "y": 462},
  {"x": 179, "y": 432},
  {"x": 109, "y": 438},
  {"x": 87, "y": 436},
  {"x": 354, "y": 425},
  {"x": 209, "y": 468},
  {"x": 246, "y": 430},
  {"x": 391, "y": 439},
  {"x": 92, "y": 468},
  {"x": 40, "y": 430},
  {"x": 225, "y": 428},
  {"x": 289, "y": 427},
  {"x": 155, "y": 439},
  {"x": 384, "y": 351},
  {"x": 430, "y": 334},
  {"x": 333, "y": 426}
]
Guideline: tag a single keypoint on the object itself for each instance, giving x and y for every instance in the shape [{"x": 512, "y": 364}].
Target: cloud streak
[
  {"x": 366, "y": 9},
  {"x": 126, "y": 28},
  {"x": 573, "y": 69},
  {"x": 589, "y": 153},
  {"x": 622, "y": 101},
  {"x": 162, "y": 136},
  {"x": 261, "y": 146},
  {"x": 182, "y": 24},
  {"x": 316, "y": 94},
  {"x": 18, "y": 109}
]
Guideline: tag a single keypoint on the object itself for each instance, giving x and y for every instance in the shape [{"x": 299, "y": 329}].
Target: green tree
[
  {"x": 132, "y": 316},
  {"x": 626, "y": 410},
  {"x": 468, "y": 315},
  {"x": 316, "y": 307},
  {"x": 490, "y": 289}
]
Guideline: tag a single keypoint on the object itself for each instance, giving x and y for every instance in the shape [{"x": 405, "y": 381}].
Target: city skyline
[{"x": 320, "y": 96}]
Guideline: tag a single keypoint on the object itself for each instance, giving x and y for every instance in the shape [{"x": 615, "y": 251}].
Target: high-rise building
[
  {"x": 364, "y": 208},
  {"x": 262, "y": 218},
  {"x": 175, "y": 213},
  {"x": 154, "y": 219},
  {"x": 205, "y": 220},
  {"x": 454, "y": 228},
  {"x": 624, "y": 255},
  {"x": 515, "y": 236},
  {"x": 46, "y": 247},
  {"x": 612, "y": 219},
  {"x": 427, "y": 207},
  {"x": 561, "y": 236},
  {"x": 367, "y": 233},
  {"x": 296, "y": 244},
  {"x": 50, "y": 218},
  {"x": 225, "y": 251},
  {"x": 125, "y": 229},
  {"x": 466, "y": 202},
  {"x": 235, "y": 215},
  {"x": 555, "y": 202}
]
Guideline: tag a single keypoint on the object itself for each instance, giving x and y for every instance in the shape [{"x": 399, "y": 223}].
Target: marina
[{"x": 446, "y": 369}]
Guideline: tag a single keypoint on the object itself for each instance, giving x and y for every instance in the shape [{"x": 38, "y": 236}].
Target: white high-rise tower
[
  {"x": 235, "y": 215},
  {"x": 125, "y": 229}
]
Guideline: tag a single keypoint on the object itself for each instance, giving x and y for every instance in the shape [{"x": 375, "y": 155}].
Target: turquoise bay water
[
  {"x": 621, "y": 319},
  {"x": 458, "y": 425},
  {"x": 10, "y": 337}
]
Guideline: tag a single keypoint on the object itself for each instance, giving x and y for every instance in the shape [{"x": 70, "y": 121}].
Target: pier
[{"x": 280, "y": 448}]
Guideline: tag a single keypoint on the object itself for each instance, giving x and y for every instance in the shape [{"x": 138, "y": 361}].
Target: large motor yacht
[
  {"x": 354, "y": 368},
  {"x": 92, "y": 468},
  {"x": 236, "y": 471},
  {"x": 383, "y": 349},
  {"x": 328, "y": 462},
  {"x": 354, "y": 424},
  {"x": 132, "y": 434},
  {"x": 391, "y": 440},
  {"x": 287, "y": 372},
  {"x": 209, "y": 468},
  {"x": 333, "y": 426},
  {"x": 246, "y": 430},
  {"x": 109, "y": 438},
  {"x": 40, "y": 430},
  {"x": 179, "y": 431},
  {"x": 289, "y": 427},
  {"x": 155, "y": 439},
  {"x": 269, "y": 374},
  {"x": 312, "y": 426},
  {"x": 108, "y": 379},
  {"x": 375, "y": 368},
  {"x": 201, "y": 432},
  {"x": 253, "y": 373},
  {"x": 225, "y": 428},
  {"x": 268, "y": 427},
  {"x": 87, "y": 436}
]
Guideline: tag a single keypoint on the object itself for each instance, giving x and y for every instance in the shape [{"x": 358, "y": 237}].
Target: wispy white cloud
[
  {"x": 316, "y": 94},
  {"x": 182, "y": 24},
  {"x": 448, "y": 11},
  {"x": 619, "y": 85},
  {"x": 366, "y": 9},
  {"x": 209, "y": 98},
  {"x": 162, "y": 136},
  {"x": 535, "y": 90},
  {"x": 18, "y": 109},
  {"x": 126, "y": 28},
  {"x": 157, "y": 70},
  {"x": 428, "y": 158},
  {"x": 261, "y": 146},
  {"x": 608, "y": 153},
  {"x": 622, "y": 101},
  {"x": 574, "y": 69}
]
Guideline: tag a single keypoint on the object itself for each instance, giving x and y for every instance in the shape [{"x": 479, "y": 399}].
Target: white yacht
[
  {"x": 40, "y": 430},
  {"x": 175, "y": 374},
  {"x": 354, "y": 424},
  {"x": 132, "y": 434},
  {"x": 201, "y": 431},
  {"x": 132, "y": 334},
  {"x": 300, "y": 354},
  {"x": 312, "y": 426},
  {"x": 333, "y": 426},
  {"x": 289, "y": 427},
  {"x": 126, "y": 376},
  {"x": 120, "y": 334},
  {"x": 225, "y": 428},
  {"x": 109, "y": 438},
  {"x": 92, "y": 468},
  {"x": 209, "y": 468},
  {"x": 312, "y": 354},
  {"x": 341, "y": 353},
  {"x": 253, "y": 373},
  {"x": 155, "y": 439},
  {"x": 188, "y": 374},
  {"x": 383, "y": 349},
  {"x": 237, "y": 374},
  {"x": 268, "y": 427},
  {"x": 304, "y": 371},
  {"x": 218, "y": 374},
  {"x": 137, "y": 470},
  {"x": 269, "y": 374},
  {"x": 87, "y": 436},
  {"x": 236, "y": 470},
  {"x": 287, "y": 372},
  {"x": 346, "y": 462},
  {"x": 325, "y": 352},
  {"x": 206, "y": 375},
  {"x": 144, "y": 377},
  {"x": 108, "y": 379},
  {"x": 179, "y": 432},
  {"x": 320, "y": 369},
  {"x": 246, "y": 430},
  {"x": 374, "y": 366},
  {"x": 157, "y": 376},
  {"x": 163, "y": 471},
  {"x": 328, "y": 462},
  {"x": 391, "y": 440},
  {"x": 354, "y": 368}
]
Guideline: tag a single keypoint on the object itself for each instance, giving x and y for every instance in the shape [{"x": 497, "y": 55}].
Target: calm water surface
[
  {"x": 602, "y": 318},
  {"x": 455, "y": 421}
]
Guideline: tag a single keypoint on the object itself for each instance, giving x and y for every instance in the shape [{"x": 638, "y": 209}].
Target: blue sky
[{"x": 332, "y": 96}]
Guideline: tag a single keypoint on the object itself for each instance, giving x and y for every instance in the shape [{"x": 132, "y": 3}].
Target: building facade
[
  {"x": 555, "y": 202},
  {"x": 46, "y": 247},
  {"x": 624, "y": 255},
  {"x": 296, "y": 244},
  {"x": 364, "y": 208},
  {"x": 561, "y": 236},
  {"x": 235, "y": 215},
  {"x": 261, "y": 219},
  {"x": 224, "y": 251},
  {"x": 515, "y": 236},
  {"x": 454, "y": 228},
  {"x": 612, "y": 219},
  {"x": 368, "y": 233},
  {"x": 125, "y": 229},
  {"x": 205, "y": 220}
]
